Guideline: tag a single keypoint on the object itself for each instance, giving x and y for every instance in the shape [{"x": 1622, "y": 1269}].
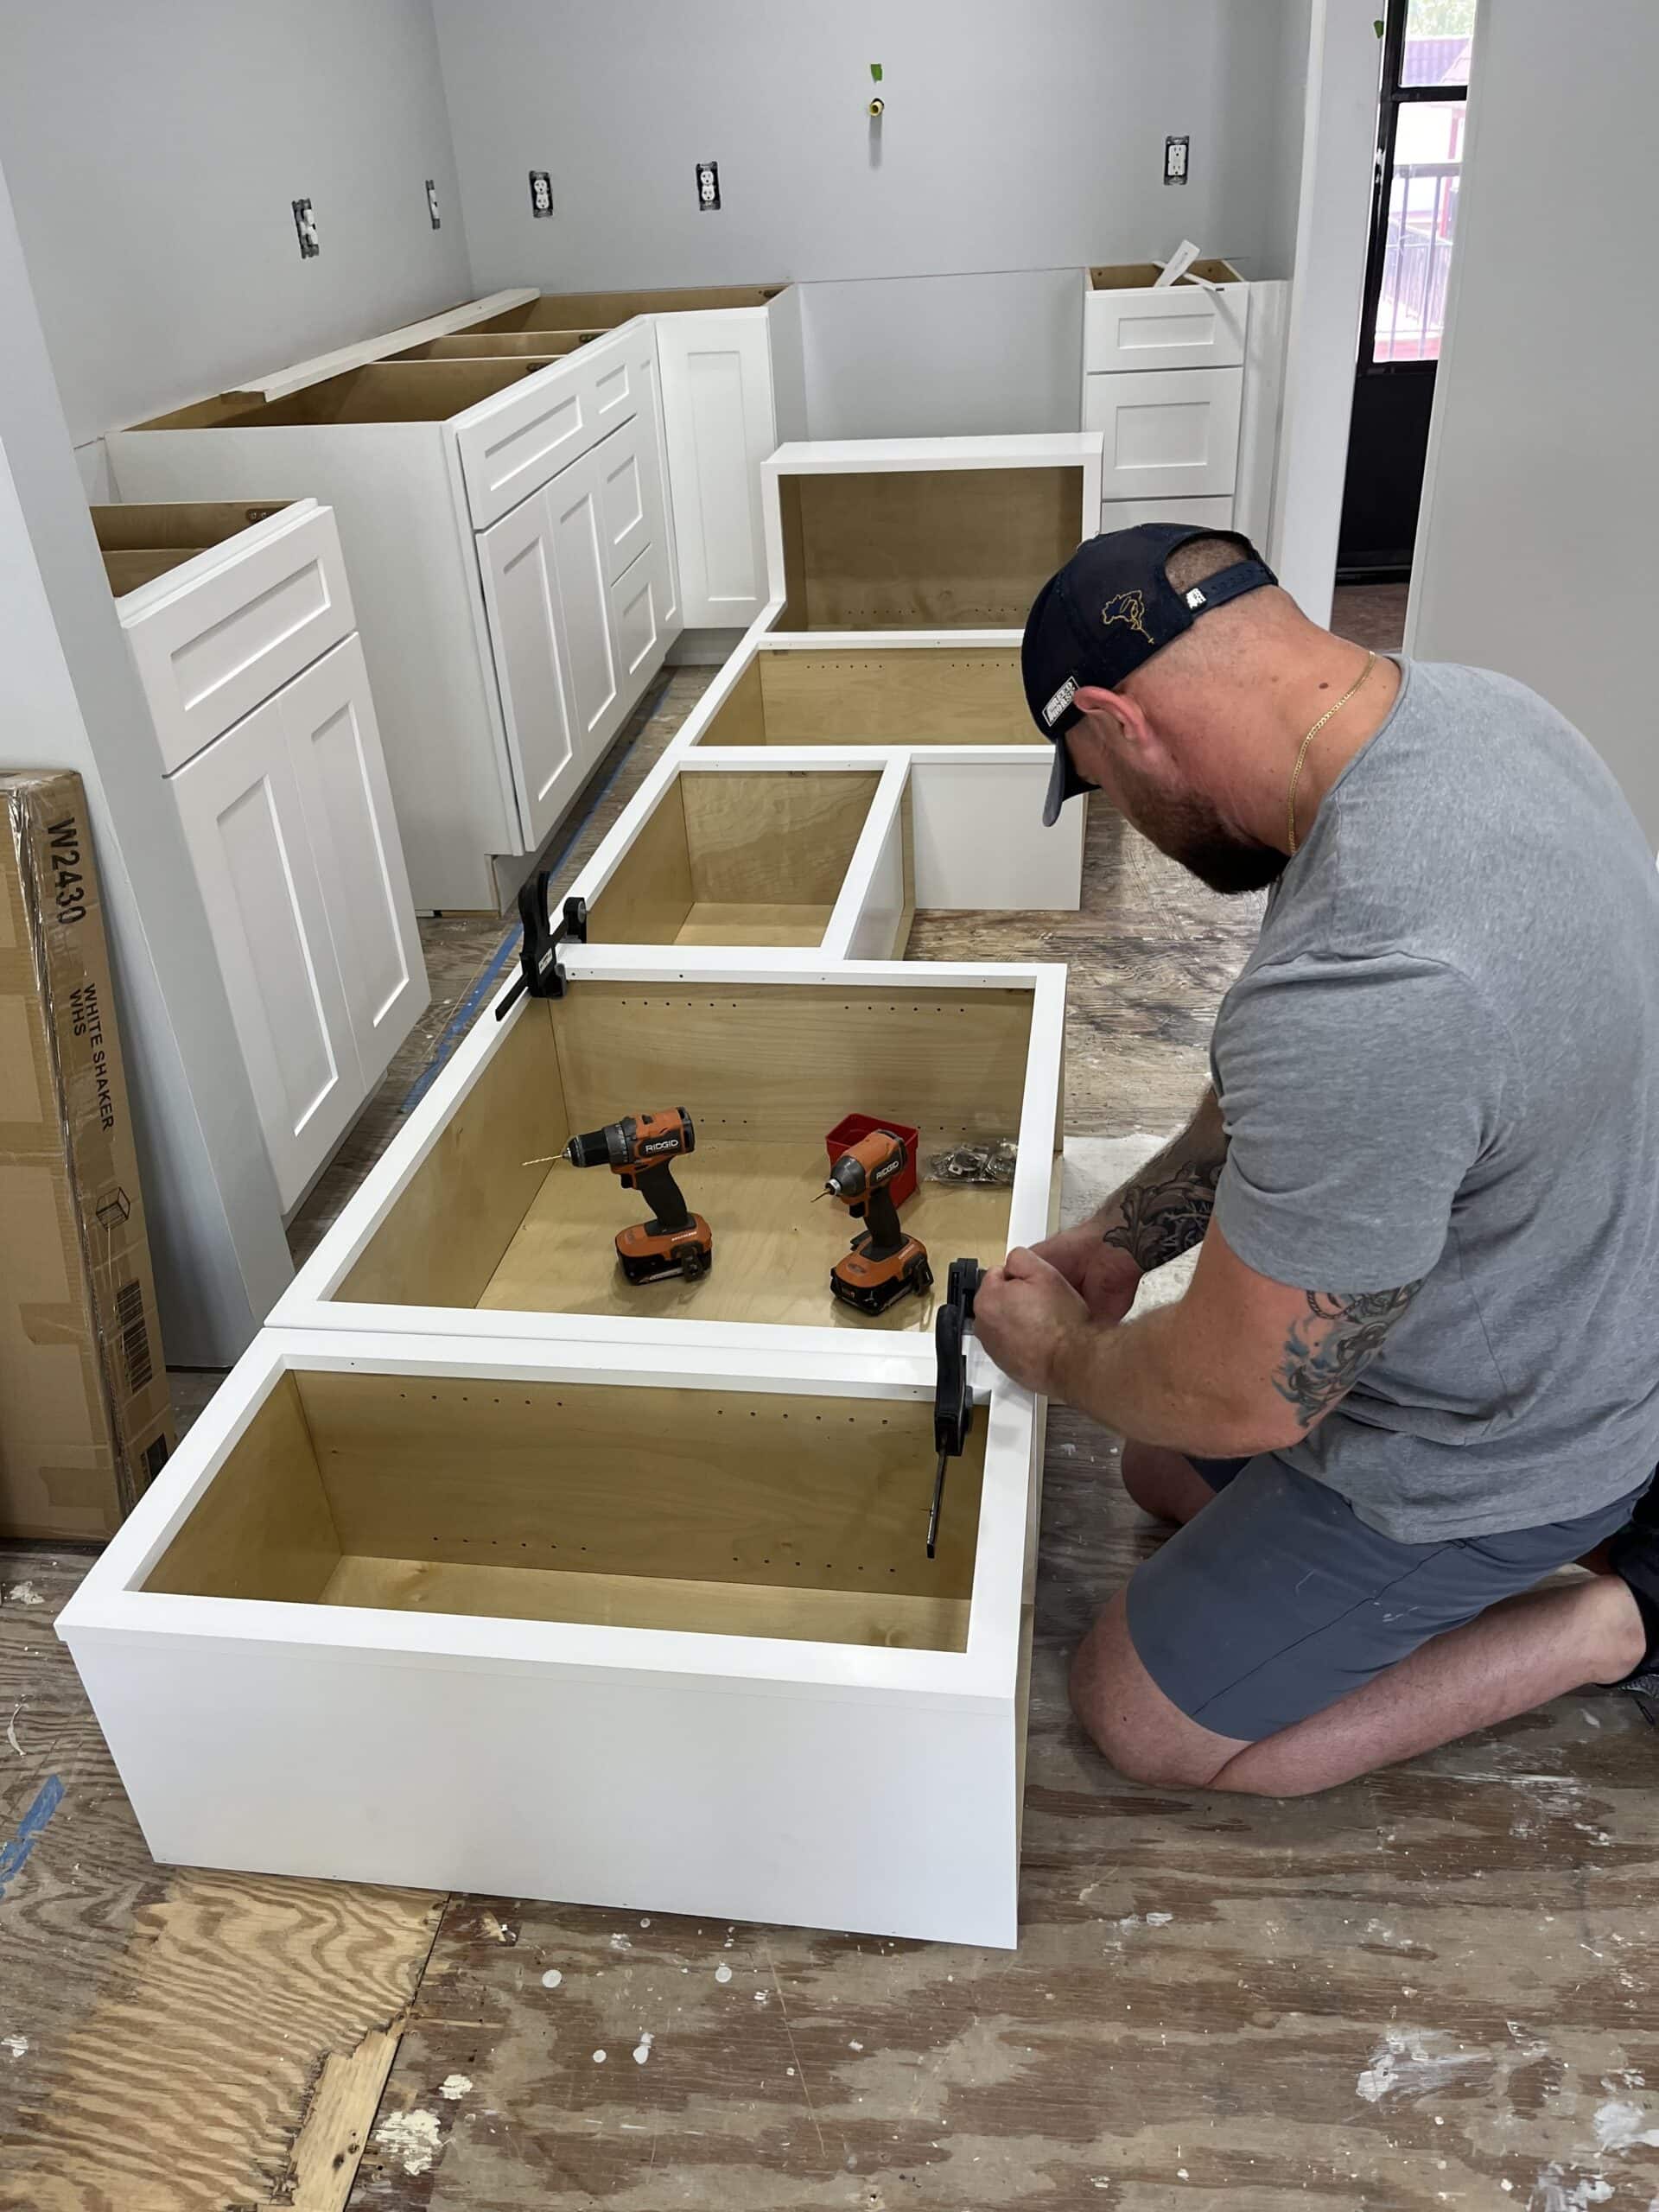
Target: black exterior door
[{"x": 1421, "y": 117}]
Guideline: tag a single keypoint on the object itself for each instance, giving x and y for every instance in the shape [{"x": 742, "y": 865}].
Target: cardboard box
[{"x": 85, "y": 1419}]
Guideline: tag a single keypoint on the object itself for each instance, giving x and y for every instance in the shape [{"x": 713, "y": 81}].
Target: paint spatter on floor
[
  {"x": 454, "y": 2087},
  {"x": 622, "y": 1942},
  {"x": 23, "y": 1594},
  {"x": 722, "y": 1973},
  {"x": 1619, "y": 2127},
  {"x": 1159, "y": 1919},
  {"x": 15, "y": 2045},
  {"x": 1554, "y": 2192},
  {"x": 1405, "y": 2063},
  {"x": 600, "y": 2058},
  {"x": 496, "y": 1931},
  {"x": 642, "y": 2049},
  {"x": 552, "y": 1978},
  {"x": 412, "y": 2138}
]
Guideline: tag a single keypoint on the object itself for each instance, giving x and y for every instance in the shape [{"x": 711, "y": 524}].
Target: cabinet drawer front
[
  {"x": 246, "y": 827},
  {"x": 638, "y": 620},
  {"x": 214, "y": 650},
  {"x": 1170, "y": 433},
  {"x": 1201, "y": 514},
  {"x": 629, "y": 491},
  {"x": 1181, "y": 327},
  {"x": 512, "y": 444}
]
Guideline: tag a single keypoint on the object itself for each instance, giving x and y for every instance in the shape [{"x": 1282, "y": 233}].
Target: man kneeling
[{"x": 1417, "y": 1369}]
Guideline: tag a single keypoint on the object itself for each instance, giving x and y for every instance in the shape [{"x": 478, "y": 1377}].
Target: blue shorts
[{"x": 1277, "y": 1600}]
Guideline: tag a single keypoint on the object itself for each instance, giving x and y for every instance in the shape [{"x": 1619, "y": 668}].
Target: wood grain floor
[{"x": 1440, "y": 1987}]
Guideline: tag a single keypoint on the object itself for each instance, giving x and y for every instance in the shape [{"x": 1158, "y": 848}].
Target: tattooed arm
[
  {"x": 1161, "y": 1211},
  {"x": 1240, "y": 1365}
]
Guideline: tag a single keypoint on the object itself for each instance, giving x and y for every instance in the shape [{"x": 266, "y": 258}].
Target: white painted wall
[
  {"x": 69, "y": 699},
  {"x": 153, "y": 151},
  {"x": 1536, "y": 539},
  {"x": 1018, "y": 135},
  {"x": 1335, "y": 178},
  {"x": 932, "y": 356}
]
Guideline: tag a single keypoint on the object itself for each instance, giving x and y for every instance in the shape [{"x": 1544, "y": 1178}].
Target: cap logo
[
  {"x": 1128, "y": 606},
  {"x": 1062, "y": 699},
  {"x": 1195, "y": 599}
]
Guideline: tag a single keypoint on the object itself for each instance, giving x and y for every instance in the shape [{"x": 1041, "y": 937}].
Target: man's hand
[
  {"x": 1104, "y": 1276},
  {"x": 1025, "y": 1313}
]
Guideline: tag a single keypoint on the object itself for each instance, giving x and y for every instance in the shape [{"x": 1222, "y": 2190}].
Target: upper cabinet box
[
  {"x": 1130, "y": 321},
  {"x": 925, "y": 533}
]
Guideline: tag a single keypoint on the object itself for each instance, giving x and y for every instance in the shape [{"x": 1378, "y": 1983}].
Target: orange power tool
[
  {"x": 884, "y": 1262},
  {"x": 637, "y": 1150}
]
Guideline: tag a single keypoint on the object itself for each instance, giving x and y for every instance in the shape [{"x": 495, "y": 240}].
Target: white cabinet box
[
  {"x": 470, "y": 1225},
  {"x": 662, "y": 1619},
  {"x": 503, "y": 665},
  {"x": 872, "y": 534},
  {"x": 242, "y": 629},
  {"x": 732, "y": 385},
  {"x": 954, "y": 713},
  {"x": 798, "y": 863}
]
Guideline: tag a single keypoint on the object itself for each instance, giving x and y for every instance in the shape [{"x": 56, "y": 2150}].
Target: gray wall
[
  {"x": 1018, "y": 135},
  {"x": 152, "y": 152},
  {"x": 69, "y": 699},
  {"x": 1535, "y": 546},
  {"x": 943, "y": 355}
]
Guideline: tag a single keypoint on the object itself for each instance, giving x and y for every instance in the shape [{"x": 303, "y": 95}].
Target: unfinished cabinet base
[{"x": 672, "y": 1648}]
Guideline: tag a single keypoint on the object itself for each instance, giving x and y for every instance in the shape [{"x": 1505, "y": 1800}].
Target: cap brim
[{"x": 1058, "y": 793}]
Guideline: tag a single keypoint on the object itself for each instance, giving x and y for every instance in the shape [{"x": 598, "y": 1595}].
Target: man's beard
[{"x": 1190, "y": 830}]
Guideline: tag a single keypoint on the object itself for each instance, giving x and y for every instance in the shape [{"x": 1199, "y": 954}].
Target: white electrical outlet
[
  {"x": 1175, "y": 154},
  {"x": 708, "y": 186},
  {"x": 541, "y": 193},
  {"x": 432, "y": 204}
]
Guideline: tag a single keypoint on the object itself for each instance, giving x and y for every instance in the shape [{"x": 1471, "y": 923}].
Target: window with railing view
[{"x": 1425, "y": 76}]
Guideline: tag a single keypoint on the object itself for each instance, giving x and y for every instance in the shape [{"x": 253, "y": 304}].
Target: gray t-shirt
[{"x": 1441, "y": 1061}]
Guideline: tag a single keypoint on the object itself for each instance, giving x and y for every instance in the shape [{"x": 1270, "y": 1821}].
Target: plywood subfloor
[
  {"x": 775, "y": 1241},
  {"x": 1397, "y": 1996},
  {"x": 712, "y": 921}
]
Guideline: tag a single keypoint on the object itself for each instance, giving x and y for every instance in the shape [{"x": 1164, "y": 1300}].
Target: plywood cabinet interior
[{"x": 405, "y": 1553}]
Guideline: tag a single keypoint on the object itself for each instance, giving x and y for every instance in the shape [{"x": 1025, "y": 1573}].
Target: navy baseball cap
[{"x": 1106, "y": 613}]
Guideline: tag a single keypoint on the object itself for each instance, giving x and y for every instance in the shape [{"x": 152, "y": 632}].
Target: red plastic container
[{"x": 851, "y": 1127}]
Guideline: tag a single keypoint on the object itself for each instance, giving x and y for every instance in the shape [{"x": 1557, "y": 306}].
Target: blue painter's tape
[{"x": 14, "y": 1853}]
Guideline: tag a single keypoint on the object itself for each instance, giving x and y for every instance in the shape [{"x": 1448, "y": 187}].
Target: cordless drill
[
  {"x": 637, "y": 1150},
  {"x": 884, "y": 1262}
]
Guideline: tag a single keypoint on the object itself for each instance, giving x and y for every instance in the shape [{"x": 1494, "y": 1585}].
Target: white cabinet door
[
  {"x": 334, "y": 743},
  {"x": 521, "y": 597},
  {"x": 1170, "y": 434},
  {"x": 717, "y": 416},
  {"x": 631, "y": 494},
  {"x": 578, "y": 535},
  {"x": 1179, "y": 327},
  {"x": 637, "y": 624},
  {"x": 245, "y": 825}
]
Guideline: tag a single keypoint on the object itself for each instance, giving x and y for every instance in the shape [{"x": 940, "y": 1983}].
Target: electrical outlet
[
  {"x": 305, "y": 226},
  {"x": 708, "y": 186},
  {"x": 541, "y": 193},
  {"x": 432, "y": 204},
  {"x": 1175, "y": 153}
]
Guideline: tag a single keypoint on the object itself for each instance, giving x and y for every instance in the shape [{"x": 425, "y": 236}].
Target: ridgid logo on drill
[{"x": 1128, "y": 606}]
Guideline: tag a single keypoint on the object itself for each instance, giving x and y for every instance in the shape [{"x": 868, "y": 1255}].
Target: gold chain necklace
[{"x": 1301, "y": 751}]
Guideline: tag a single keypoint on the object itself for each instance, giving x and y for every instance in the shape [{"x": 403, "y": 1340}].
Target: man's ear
[{"x": 1094, "y": 699}]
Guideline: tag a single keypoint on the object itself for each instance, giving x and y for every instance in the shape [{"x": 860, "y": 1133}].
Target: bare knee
[{"x": 1128, "y": 1718}]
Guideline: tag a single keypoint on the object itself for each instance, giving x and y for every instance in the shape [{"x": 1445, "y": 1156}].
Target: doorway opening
[{"x": 1421, "y": 116}]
